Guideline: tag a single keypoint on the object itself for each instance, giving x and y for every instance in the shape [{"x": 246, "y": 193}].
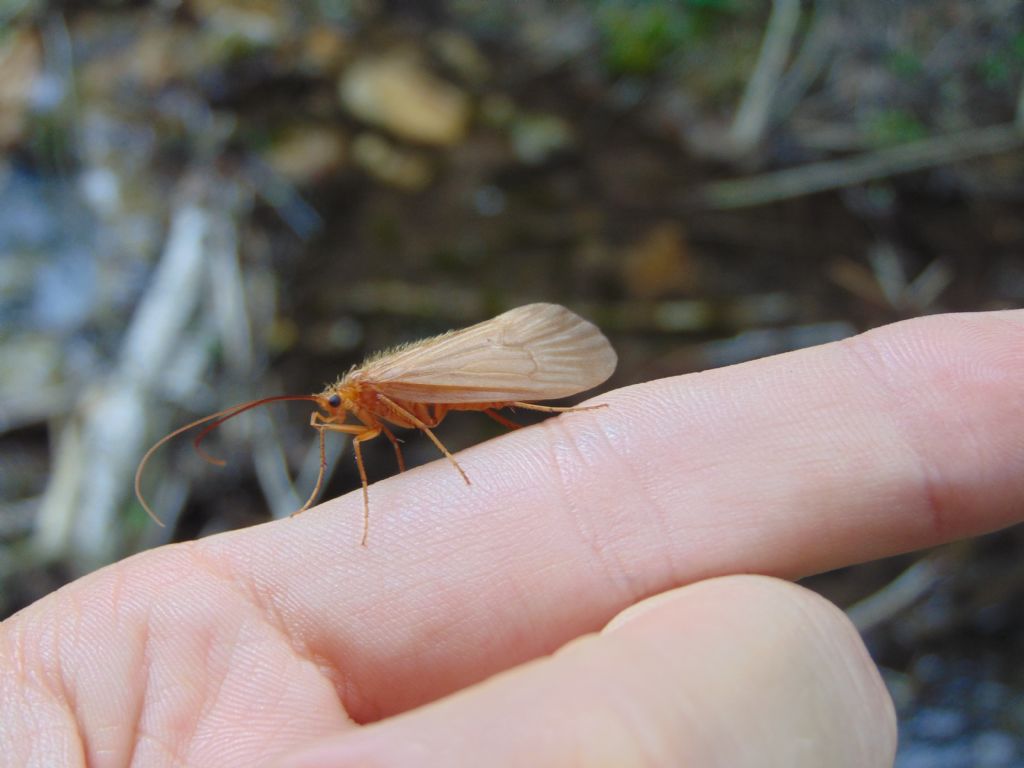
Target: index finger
[{"x": 900, "y": 438}]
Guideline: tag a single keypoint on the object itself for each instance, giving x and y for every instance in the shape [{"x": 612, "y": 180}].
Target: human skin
[{"x": 288, "y": 644}]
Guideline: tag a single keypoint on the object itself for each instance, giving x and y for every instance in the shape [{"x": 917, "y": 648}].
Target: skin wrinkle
[
  {"x": 510, "y": 636},
  {"x": 242, "y": 579},
  {"x": 658, "y": 513},
  {"x": 249, "y": 590},
  {"x": 723, "y": 377},
  {"x": 647, "y": 745},
  {"x": 690, "y": 398},
  {"x": 267, "y": 609},
  {"x": 141, "y": 695},
  {"x": 652, "y": 744},
  {"x": 175, "y": 744},
  {"x": 38, "y": 683},
  {"x": 117, "y": 600},
  {"x": 902, "y": 412},
  {"x": 448, "y": 630},
  {"x": 823, "y": 622},
  {"x": 1007, "y": 327},
  {"x": 704, "y": 401},
  {"x": 565, "y": 482},
  {"x": 238, "y": 643},
  {"x": 184, "y": 741},
  {"x": 118, "y": 574},
  {"x": 360, "y": 706},
  {"x": 213, "y": 693},
  {"x": 113, "y": 597},
  {"x": 637, "y": 493},
  {"x": 63, "y": 692},
  {"x": 17, "y": 640},
  {"x": 118, "y": 593},
  {"x": 809, "y": 629},
  {"x": 984, "y": 373}
]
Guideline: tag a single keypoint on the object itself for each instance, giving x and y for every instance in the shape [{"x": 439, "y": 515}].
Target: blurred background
[{"x": 207, "y": 201}]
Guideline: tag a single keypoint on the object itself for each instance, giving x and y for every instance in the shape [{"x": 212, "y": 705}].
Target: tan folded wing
[{"x": 534, "y": 352}]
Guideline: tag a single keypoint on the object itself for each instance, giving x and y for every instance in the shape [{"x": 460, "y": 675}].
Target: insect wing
[{"x": 534, "y": 352}]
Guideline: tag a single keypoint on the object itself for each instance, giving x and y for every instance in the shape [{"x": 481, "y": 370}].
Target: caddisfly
[{"x": 534, "y": 352}]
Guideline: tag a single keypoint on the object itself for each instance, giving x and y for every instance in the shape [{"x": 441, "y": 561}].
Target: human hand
[{"x": 288, "y": 644}]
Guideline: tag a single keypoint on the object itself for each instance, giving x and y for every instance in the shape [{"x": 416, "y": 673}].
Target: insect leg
[
  {"x": 501, "y": 419},
  {"x": 420, "y": 425},
  {"x": 394, "y": 443},
  {"x": 319, "y": 475},
  {"x": 556, "y": 408},
  {"x": 360, "y": 434},
  {"x": 357, "y": 445},
  {"x": 317, "y": 422}
]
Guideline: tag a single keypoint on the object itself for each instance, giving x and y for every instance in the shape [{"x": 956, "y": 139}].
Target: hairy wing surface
[{"x": 533, "y": 352}]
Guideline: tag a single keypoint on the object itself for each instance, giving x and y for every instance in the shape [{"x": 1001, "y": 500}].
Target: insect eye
[{"x": 334, "y": 400}]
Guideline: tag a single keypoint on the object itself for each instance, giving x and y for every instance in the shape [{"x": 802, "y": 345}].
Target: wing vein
[{"x": 534, "y": 352}]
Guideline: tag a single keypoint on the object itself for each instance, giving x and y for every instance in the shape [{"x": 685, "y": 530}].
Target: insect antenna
[
  {"x": 217, "y": 419},
  {"x": 319, "y": 478}
]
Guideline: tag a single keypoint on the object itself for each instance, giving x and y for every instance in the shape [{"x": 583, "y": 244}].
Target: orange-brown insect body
[
  {"x": 534, "y": 352},
  {"x": 363, "y": 401}
]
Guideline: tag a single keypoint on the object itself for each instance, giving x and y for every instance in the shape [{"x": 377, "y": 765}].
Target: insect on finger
[{"x": 533, "y": 352}]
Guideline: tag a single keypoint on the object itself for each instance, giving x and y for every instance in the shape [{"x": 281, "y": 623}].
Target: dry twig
[
  {"x": 91, "y": 476},
  {"x": 858, "y": 169},
  {"x": 755, "y": 108},
  {"x": 898, "y": 595}
]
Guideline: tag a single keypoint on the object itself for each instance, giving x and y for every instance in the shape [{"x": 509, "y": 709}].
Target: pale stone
[
  {"x": 397, "y": 166},
  {"x": 396, "y": 92},
  {"x": 21, "y": 63},
  {"x": 307, "y": 153}
]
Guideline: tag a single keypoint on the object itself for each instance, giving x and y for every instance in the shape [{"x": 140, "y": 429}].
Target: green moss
[
  {"x": 904, "y": 63},
  {"x": 895, "y": 126},
  {"x": 1003, "y": 64},
  {"x": 1017, "y": 47},
  {"x": 638, "y": 36},
  {"x": 995, "y": 69}
]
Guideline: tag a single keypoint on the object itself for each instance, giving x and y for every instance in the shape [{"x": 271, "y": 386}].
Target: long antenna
[{"x": 217, "y": 418}]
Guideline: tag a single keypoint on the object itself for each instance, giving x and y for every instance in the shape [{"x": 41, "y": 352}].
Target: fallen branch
[
  {"x": 858, "y": 169},
  {"x": 898, "y": 595},
  {"x": 756, "y": 105},
  {"x": 810, "y": 61}
]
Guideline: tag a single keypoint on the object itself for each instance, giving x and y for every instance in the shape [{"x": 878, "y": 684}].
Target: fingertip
[
  {"x": 799, "y": 660},
  {"x": 741, "y": 671}
]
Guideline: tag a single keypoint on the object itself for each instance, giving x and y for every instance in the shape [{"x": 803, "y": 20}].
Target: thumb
[{"x": 737, "y": 671}]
